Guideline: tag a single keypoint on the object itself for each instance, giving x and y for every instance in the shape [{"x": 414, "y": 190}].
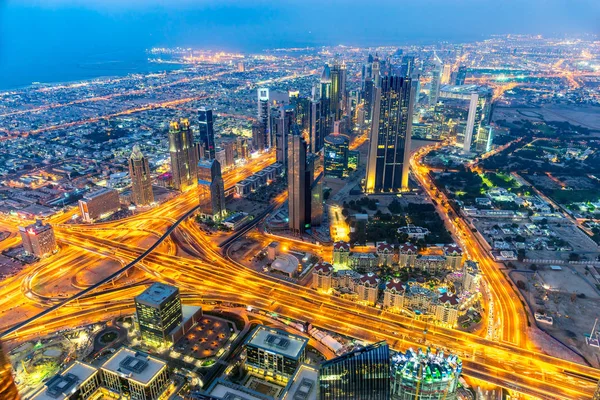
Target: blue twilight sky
[{"x": 47, "y": 35}]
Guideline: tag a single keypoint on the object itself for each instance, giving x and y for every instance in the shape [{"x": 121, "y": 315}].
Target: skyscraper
[
  {"x": 461, "y": 75},
  {"x": 315, "y": 126},
  {"x": 264, "y": 123},
  {"x": 338, "y": 88},
  {"x": 207, "y": 134},
  {"x": 389, "y": 148},
  {"x": 336, "y": 155},
  {"x": 376, "y": 71},
  {"x": 436, "y": 76},
  {"x": 326, "y": 101},
  {"x": 281, "y": 124},
  {"x": 8, "y": 389},
  {"x": 314, "y": 183},
  {"x": 297, "y": 183},
  {"x": 158, "y": 311},
  {"x": 368, "y": 96},
  {"x": 141, "y": 181},
  {"x": 446, "y": 73},
  {"x": 184, "y": 158},
  {"x": 211, "y": 190},
  {"x": 360, "y": 374},
  {"x": 407, "y": 66},
  {"x": 258, "y": 137}
]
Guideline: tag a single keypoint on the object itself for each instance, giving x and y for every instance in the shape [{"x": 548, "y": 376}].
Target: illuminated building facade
[
  {"x": 407, "y": 66},
  {"x": 38, "y": 239},
  {"x": 79, "y": 381},
  {"x": 389, "y": 148},
  {"x": 206, "y": 133},
  {"x": 322, "y": 277},
  {"x": 158, "y": 311},
  {"x": 281, "y": 124},
  {"x": 425, "y": 376},
  {"x": 326, "y": 119},
  {"x": 8, "y": 389},
  {"x": 97, "y": 203},
  {"x": 297, "y": 184},
  {"x": 336, "y": 155},
  {"x": 436, "y": 78},
  {"x": 274, "y": 353},
  {"x": 461, "y": 75},
  {"x": 360, "y": 374},
  {"x": 316, "y": 128},
  {"x": 314, "y": 189},
  {"x": 141, "y": 180},
  {"x": 211, "y": 190},
  {"x": 184, "y": 156},
  {"x": 135, "y": 375}
]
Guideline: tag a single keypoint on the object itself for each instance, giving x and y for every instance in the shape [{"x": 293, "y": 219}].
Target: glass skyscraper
[
  {"x": 207, "y": 133},
  {"x": 360, "y": 374},
  {"x": 158, "y": 311}
]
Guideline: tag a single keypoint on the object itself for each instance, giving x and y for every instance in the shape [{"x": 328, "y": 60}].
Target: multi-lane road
[{"x": 205, "y": 274}]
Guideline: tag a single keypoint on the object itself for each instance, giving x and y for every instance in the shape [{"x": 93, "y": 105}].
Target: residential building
[
  {"x": 454, "y": 255},
  {"x": 430, "y": 263},
  {"x": 360, "y": 374},
  {"x": 184, "y": 155},
  {"x": 385, "y": 254},
  {"x": 341, "y": 251},
  {"x": 393, "y": 295},
  {"x": 141, "y": 180},
  {"x": 407, "y": 254},
  {"x": 367, "y": 289},
  {"x": 158, "y": 312},
  {"x": 471, "y": 276},
  {"x": 38, "y": 239},
  {"x": 446, "y": 311},
  {"x": 98, "y": 203},
  {"x": 322, "y": 277}
]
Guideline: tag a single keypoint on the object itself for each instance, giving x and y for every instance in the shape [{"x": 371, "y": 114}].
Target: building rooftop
[
  {"x": 286, "y": 263},
  {"x": 222, "y": 389},
  {"x": 278, "y": 341},
  {"x": 303, "y": 385},
  {"x": 36, "y": 228},
  {"x": 62, "y": 385},
  {"x": 137, "y": 366},
  {"x": 96, "y": 193},
  {"x": 156, "y": 294}
]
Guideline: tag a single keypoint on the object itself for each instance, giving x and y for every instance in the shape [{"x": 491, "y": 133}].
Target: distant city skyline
[{"x": 56, "y": 40}]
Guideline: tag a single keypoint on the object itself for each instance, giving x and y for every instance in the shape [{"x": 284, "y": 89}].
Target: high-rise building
[
  {"x": 275, "y": 353},
  {"x": 336, "y": 155},
  {"x": 376, "y": 71},
  {"x": 97, "y": 203},
  {"x": 258, "y": 137},
  {"x": 38, "y": 239},
  {"x": 407, "y": 66},
  {"x": 315, "y": 132},
  {"x": 211, "y": 190},
  {"x": 184, "y": 156},
  {"x": 158, "y": 311},
  {"x": 480, "y": 112},
  {"x": 282, "y": 123},
  {"x": 338, "y": 88},
  {"x": 461, "y": 75},
  {"x": 8, "y": 389},
  {"x": 484, "y": 139},
  {"x": 229, "y": 148},
  {"x": 141, "y": 181},
  {"x": 325, "y": 95},
  {"x": 389, "y": 148},
  {"x": 368, "y": 96},
  {"x": 297, "y": 183},
  {"x": 434, "y": 91},
  {"x": 264, "y": 120},
  {"x": 446, "y": 73},
  {"x": 206, "y": 133},
  {"x": 243, "y": 153},
  {"x": 360, "y": 374},
  {"x": 314, "y": 189},
  {"x": 425, "y": 375}
]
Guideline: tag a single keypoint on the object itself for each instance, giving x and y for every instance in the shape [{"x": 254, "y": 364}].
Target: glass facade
[
  {"x": 336, "y": 155},
  {"x": 361, "y": 374},
  {"x": 157, "y": 320}
]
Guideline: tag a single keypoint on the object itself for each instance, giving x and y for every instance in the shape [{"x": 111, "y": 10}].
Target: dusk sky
[{"x": 34, "y": 33}]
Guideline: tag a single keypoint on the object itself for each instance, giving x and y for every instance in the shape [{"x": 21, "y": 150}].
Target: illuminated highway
[{"x": 207, "y": 275}]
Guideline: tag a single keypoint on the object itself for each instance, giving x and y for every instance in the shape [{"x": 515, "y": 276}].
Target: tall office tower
[
  {"x": 335, "y": 105},
  {"x": 38, "y": 239},
  {"x": 368, "y": 96},
  {"x": 366, "y": 71},
  {"x": 281, "y": 125},
  {"x": 258, "y": 137},
  {"x": 8, "y": 389},
  {"x": 297, "y": 183},
  {"x": 461, "y": 75},
  {"x": 434, "y": 92},
  {"x": 484, "y": 139},
  {"x": 301, "y": 106},
  {"x": 336, "y": 155},
  {"x": 207, "y": 133},
  {"x": 376, "y": 71},
  {"x": 389, "y": 148},
  {"x": 141, "y": 181},
  {"x": 229, "y": 148},
  {"x": 264, "y": 118},
  {"x": 326, "y": 101},
  {"x": 98, "y": 202},
  {"x": 360, "y": 374},
  {"x": 343, "y": 89},
  {"x": 184, "y": 157},
  {"x": 211, "y": 190},
  {"x": 425, "y": 375},
  {"x": 480, "y": 113},
  {"x": 407, "y": 66},
  {"x": 446, "y": 73},
  {"x": 242, "y": 148},
  {"x": 158, "y": 311},
  {"x": 315, "y": 126}
]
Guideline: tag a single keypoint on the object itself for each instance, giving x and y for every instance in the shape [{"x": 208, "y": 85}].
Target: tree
[
  {"x": 533, "y": 267},
  {"x": 574, "y": 257},
  {"x": 521, "y": 255}
]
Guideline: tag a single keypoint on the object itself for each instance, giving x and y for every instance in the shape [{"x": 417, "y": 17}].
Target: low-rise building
[
  {"x": 430, "y": 263},
  {"x": 363, "y": 262},
  {"x": 79, "y": 381},
  {"x": 322, "y": 277},
  {"x": 446, "y": 311},
  {"x": 393, "y": 296},
  {"x": 414, "y": 232},
  {"x": 454, "y": 255},
  {"x": 341, "y": 251},
  {"x": 367, "y": 289},
  {"x": 407, "y": 254},
  {"x": 385, "y": 254}
]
